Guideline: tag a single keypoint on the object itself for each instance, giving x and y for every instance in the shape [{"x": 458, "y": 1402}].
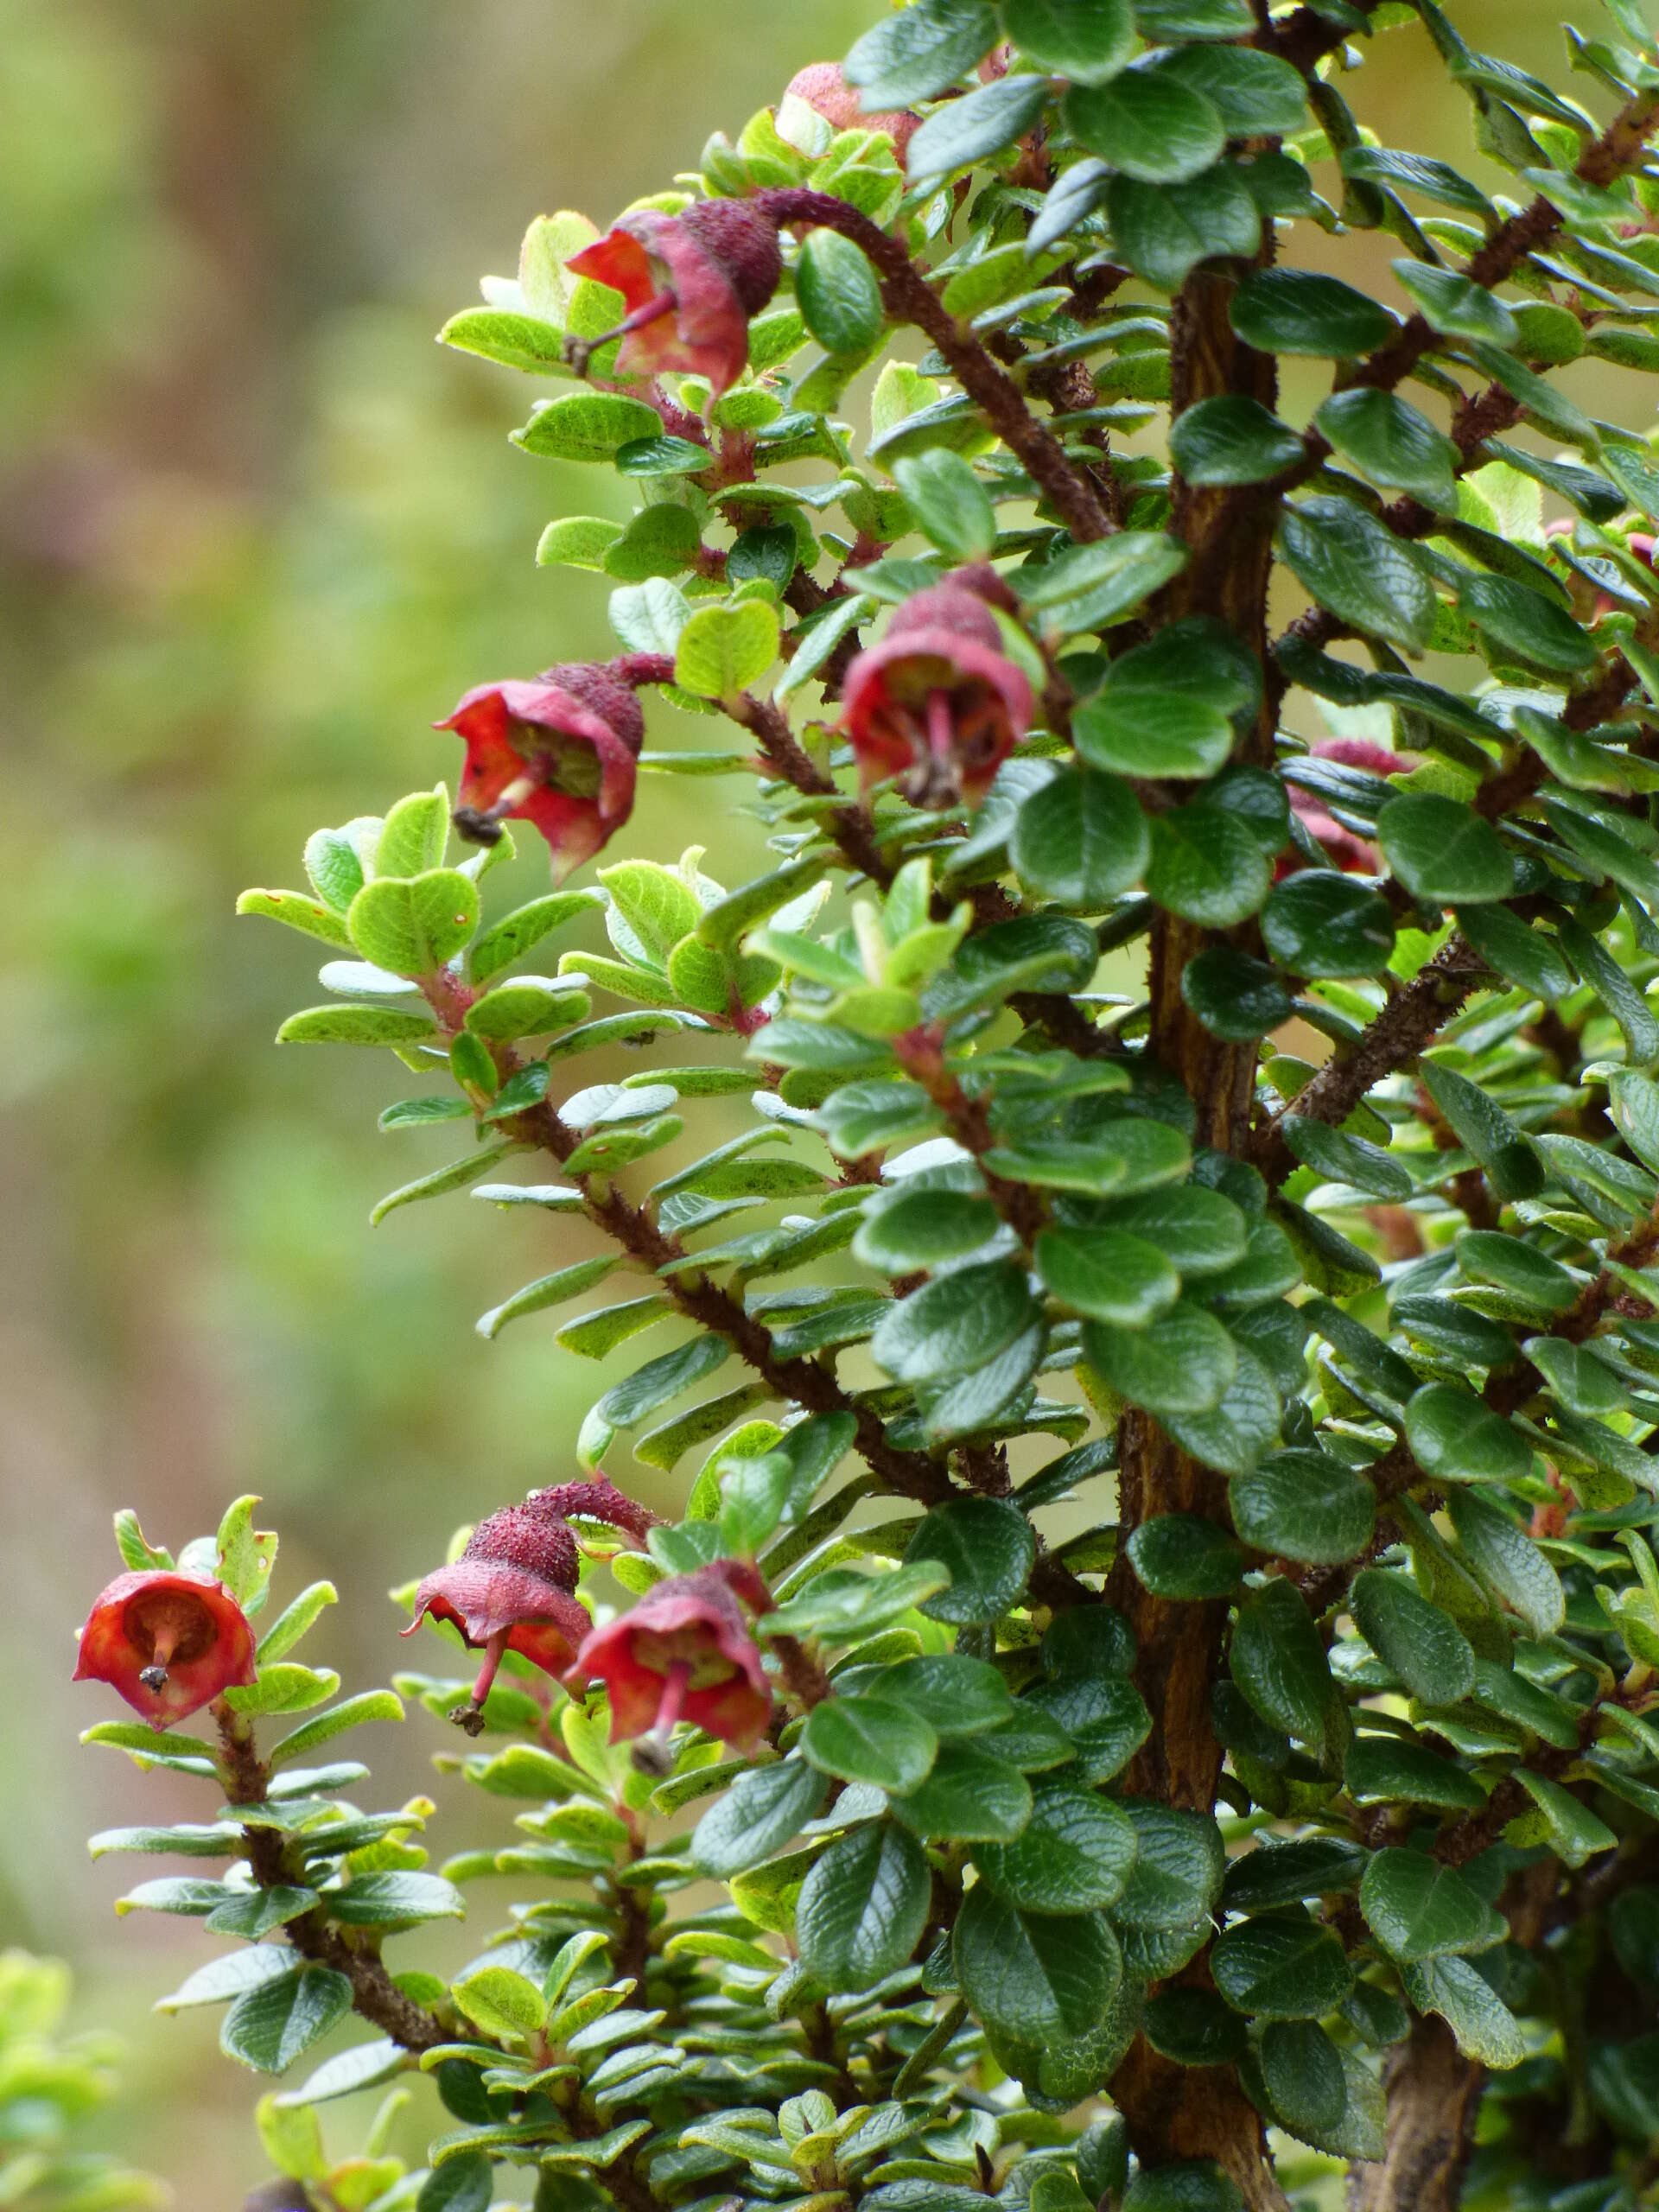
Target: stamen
[
  {"x": 153, "y": 1678},
  {"x": 579, "y": 351},
  {"x": 470, "y": 1717},
  {"x": 654, "y": 1754},
  {"x": 481, "y": 825}
]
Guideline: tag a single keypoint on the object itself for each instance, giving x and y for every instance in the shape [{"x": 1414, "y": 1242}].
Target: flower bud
[
  {"x": 169, "y": 1642},
  {"x": 691, "y": 283},
  {"x": 938, "y": 703},
  {"x": 683, "y": 1653},
  {"x": 558, "y": 751},
  {"x": 823, "y": 86}
]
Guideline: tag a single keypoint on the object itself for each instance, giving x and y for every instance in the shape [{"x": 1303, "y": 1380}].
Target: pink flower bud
[
  {"x": 510, "y": 1590},
  {"x": 690, "y": 281},
  {"x": 938, "y": 703},
  {"x": 168, "y": 1642},
  {"x": 558, "y": 751},
  {"x": 822, "y": 85},
  {"x": 684, "y": 1653}
]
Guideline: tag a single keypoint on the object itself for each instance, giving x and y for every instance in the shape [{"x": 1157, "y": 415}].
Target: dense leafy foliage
[
  {"x": 49, "y": 2084},
  {"x": 1141, "y": 1100}
]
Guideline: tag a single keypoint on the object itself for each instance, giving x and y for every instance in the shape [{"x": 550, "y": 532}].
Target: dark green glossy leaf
[
  {"x": 987, "y": 1546},
  {"x": 863, "y": 1906},
  {"x": 1074, "y": 1854}
]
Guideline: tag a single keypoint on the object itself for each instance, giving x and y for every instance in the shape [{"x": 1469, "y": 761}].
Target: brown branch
[
  {"x": 375, "y": 1996},
  {"x": 1433, "y": 2094},
  {"x": 1404, "y": 1028},
  {"x": 908, "y": 297}
]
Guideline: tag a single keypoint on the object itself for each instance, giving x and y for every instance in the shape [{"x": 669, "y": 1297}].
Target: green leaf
[
  {"x": 1392, "y": 443},
  {"x": 1454, "y": 1438},
  {"x": 1302, "y": 2068},
  {"x": 921, "y": 52},
  {"x": 1207, "y": 865},
  {"x": 1180, "y": 1860},
  {"x": 963, "y": 132},
  {"x": 1181, "y": 1363},
  {"x": 394, "y": 1900},
  {"x": 589, "y": 426},
  {"x": 921, "y": 1229},
  {"x": 500, "y": 2002},
  {"x": 453, "y": 1176},
  {"x": 1106, "y": 1275},
  {"x": 1198, "y": 1231},
  {"x": 949, "y": 502},
  {"x": 1499, "y": 1144},
  {"x": 295, "y": 1619},
  {"x": 1127, "y": 731},
  {"x": 863, "y": 1906},
  {"x": 268, "y": 2027},
  {"x": 1381, "y": 1769},
  {"x": 525, "y": 1006},
  {"x": 1357, "y": 569},
  {"x": 1186, "y": 2185},
  {"x": 1304, "y": 1505},
  {"x": 298, "y": 911},
  {"x": 987, "y": 1546},
  {"x": 838, "y": 294},
  {"x": 1074, "y": 1854},
  {"x": 969, "y": 1795},
  {"x": 1233, "y": 440},
  {"x": 1320, "y": 922},
  {"x": 549, "y": 1290},
  {"x": 1147, "y": 124},
  {"x": 842, "y": 1605},
  {"x": 518, "y": 342},
  {"x": 869, "y": 1739},
  {"x": 1345, "y": 1159},
  {"x": 627, "y": 1403},
  {"x": 414, "y": 835},
  {"x": 1105, "y": 1716},
  {"x": 1080, "y": 839},
  {"x": 1300, "y": 311},
  {"x": 1520, "y": 1270},
  {"x": 954, "y": 1322},
  {"x": 1041, "y": 1979},
  {"x": 1087, "y": 41},
  {"x": 1453, "y": 304},
  {"x": 1483, "y": 2027},
  {"x": 351, "y": 1712},
  {"x": 1574, "y": 1833},
  {"x": 1418, "y": 1909},
  {"x": 356, "y": 1025},
  {"x": 1278, "y": 1662},
  {"x": 1413, "y": 1638},
  {"x": 1178, "y": 1555},
  {"x": 1164, "y": 231},
  {"x": 1258, "y": 94},
  {"x": 1525, "y": 624},
  {"x": 1506, "y": 1559},
  {"x": 723, "y": 650},
  {"x": 1280, "y": 1966},
  {"x": 758, "y": 1815},
  {"x": 1088, "y": 587}
]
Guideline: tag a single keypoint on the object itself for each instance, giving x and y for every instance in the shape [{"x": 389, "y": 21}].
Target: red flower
[
  {"x": 512, "y": 1589},
  {"x": 691, "y": 283},
  {"x": 168, "y": 1642},
  {"x": 1352, "y": 854},
  {"x": 937, "y": 703},
  {"x": 559, "y": 752},
  {"x": 684, "y": 1653},
  {"x": 822, "y": 85}
]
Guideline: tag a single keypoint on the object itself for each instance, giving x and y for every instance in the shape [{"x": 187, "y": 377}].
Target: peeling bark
[{"x": 1433, "y": 2098}]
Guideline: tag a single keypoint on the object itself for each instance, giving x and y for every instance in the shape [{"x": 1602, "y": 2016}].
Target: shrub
[{"x": 1141, "y": 1099}]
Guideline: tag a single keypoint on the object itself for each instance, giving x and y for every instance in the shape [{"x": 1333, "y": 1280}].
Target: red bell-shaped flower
[
  {"x": 937, "y": 703},
  {"x": 691, "y": 283},
  {"x": 512, "y": 1589},
  {"x": 823, "y": 86},
  {"x": 168, "y": 1642},
  {"x": 683, "y": 1653},
  {"x": 559, "y": 751}
]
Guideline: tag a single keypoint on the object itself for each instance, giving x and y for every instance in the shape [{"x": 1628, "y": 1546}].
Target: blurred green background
[{"x": 256, "y": 533}]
